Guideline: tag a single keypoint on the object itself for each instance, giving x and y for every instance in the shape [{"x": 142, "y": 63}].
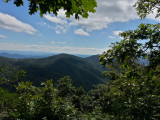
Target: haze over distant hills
[
  {"x": 30, "y": 54},
  {"x": 84, "y": 72}
]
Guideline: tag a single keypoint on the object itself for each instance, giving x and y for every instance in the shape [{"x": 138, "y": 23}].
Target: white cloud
[
  {"x": 58, "y": 28},
  {"x": 90, "y": 24},
  {"x": 117, "y": 32},
  {"x": 152, "y": 16},
  {"x": 46, "y": 25},
  {"x": 2, "y": 36},
  {"x": 11, "y": 23},
  {"x": 45, "y": 48},
  {"x": 81, "y": 32},
  {"x": 111, "y": 37},
  {"x": 57, "y": 32},
  {"x": 61, "y": 22},
  {"x": 56, "y": 20},
  {"x": 108, "y": 11},
  {"x": 42, "y": 23}
]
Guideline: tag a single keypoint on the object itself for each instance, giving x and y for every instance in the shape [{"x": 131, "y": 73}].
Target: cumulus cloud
[
  {"x": 11, "y": 23},
  {"x": 60, "y": 29},
  {"x": 42, "y": 23},
  {"x": 81, "y": 32},
  {"x": 152, "y": 16},
  {"x": 61, "y": 23},
  {"x": 2, "y": 36},
  {"x": 57, "y": 32},
  {"x": 57, "y": 28},
  {"x": 107, "y": 12},
  {"x": 117, "y": 32},
  {"x": 56, "y": 20},
  {"x": 54, "y": 49},
  {"x": 111, "y": 37}
]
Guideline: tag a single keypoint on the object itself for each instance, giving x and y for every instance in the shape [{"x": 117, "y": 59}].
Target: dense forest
[
  {"x": 133, "y": 89},
  {"x": 84, "y": 72}
]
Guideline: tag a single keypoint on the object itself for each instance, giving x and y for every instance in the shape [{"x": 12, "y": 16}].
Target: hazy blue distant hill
[
  {"x": 81, "y": 70},
  {"x": 30, "y": 54},
  {"x": 23, "y": 54},
  {"x": 27, "y": 52},
  {"x": 18, "y": 56},
  {"x": 82, "y": 56}
]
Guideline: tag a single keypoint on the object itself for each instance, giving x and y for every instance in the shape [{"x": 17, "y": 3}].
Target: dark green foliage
[
  {"x": 61, "y": 102},
  {"x": 44, "y": 103},
  {"x": 7, "y": 103},
  {"x": 112, "y": 75},
  {"x": 65, "y": 88},
  {"x": 132, "y": 99},
  {"x": 10, "y": 75},
  {"x": 71, "y": 7},
  {"x": 83, "y": 72},
  {"x": 145, "y": 7},
  {"x": 134, "y": 94}
]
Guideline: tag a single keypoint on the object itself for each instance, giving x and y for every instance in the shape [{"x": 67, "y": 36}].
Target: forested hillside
[{"x": 83, "y": 71}]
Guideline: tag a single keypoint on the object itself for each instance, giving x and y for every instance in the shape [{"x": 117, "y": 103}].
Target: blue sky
[{"x": 23, "y": 32}]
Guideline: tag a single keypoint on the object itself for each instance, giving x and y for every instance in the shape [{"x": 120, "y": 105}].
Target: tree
[
  {"x": 71, "y": 7},
  {"x": 145, "y": 7},
  {"x": 48, "y": 102},
  {"x": 40, "y": 103},
  {"x": 10, "y": 73},
  {"x": 133, "y": 92}
]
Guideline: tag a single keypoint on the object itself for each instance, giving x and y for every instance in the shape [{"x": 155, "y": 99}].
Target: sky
[{"x": 57, "y": 34}]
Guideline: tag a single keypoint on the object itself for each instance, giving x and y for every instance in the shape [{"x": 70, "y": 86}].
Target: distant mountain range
[
  {"x": 30, "y": 54},
  {"x": 19, "y": 56},
  {"x": 84, "y": 72}
]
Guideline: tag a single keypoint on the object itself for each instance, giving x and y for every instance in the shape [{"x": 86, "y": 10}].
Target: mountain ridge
[
  {"x": 82, "y": 72},
  {"x": 31, "y": 54}
]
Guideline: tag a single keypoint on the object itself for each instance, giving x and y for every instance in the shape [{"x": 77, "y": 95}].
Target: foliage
[
  {"x": 71, "y": 7},
  {"x": 82, "y": 72},
  {"x": 141, "y": 43},
  {"x": 134, "y": 94},
  {"x": 7, "y": 102},
  {"x": 10, "y": 73},
  {"x": 145, "y": 7},
  {"x": 132, "y": 99},
  {"x": 60, "y": 102}
]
